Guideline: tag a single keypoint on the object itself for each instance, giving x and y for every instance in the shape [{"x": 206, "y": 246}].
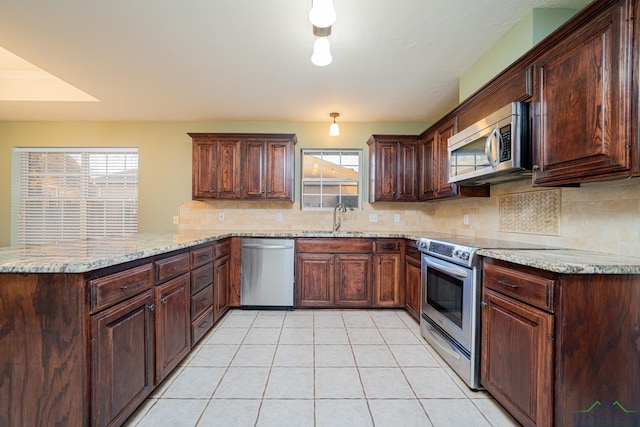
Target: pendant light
[
  {"x": 334, "y": 129},
  {"x": 322, "y": 13},
  {"x": 321, "y": 55}
]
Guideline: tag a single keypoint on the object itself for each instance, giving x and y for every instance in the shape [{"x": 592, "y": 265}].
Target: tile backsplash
[{"x": 603, "y": 217}]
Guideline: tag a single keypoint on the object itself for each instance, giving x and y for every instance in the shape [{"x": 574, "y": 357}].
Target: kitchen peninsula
[{"x": 59, "y": 305}]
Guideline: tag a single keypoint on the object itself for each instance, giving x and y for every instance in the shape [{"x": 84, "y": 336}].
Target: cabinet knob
[
  {"x": 536, "y": 167},
  {"x": 151, "y": 307},
  {"x": 213, "y": 190},
  {"x": 164, "y": 300},
  {"x": 483, "y": 304}
]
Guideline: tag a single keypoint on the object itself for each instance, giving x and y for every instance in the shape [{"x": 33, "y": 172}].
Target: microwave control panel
[{"x": 505, "y": 149}]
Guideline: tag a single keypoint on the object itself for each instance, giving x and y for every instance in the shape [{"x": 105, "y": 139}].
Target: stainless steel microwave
[{"x": 494, "y": 149}]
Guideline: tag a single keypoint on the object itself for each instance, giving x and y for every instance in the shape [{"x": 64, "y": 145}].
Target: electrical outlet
[
  {"x": 220, "y": 216},
  {"x": 176, "y": 219},
  {"x": 465, "y": 219},
  {"x": 373, "y": 217},
  {"x": 279, "y": 216},
  {"x": 396, "y": 218}
]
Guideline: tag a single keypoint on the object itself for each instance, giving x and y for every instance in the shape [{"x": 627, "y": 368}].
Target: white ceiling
[{"x": 190, "y": 60}]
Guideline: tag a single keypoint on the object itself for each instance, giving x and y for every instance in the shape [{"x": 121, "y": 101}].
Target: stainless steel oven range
[{"x": 450, "y": 313}]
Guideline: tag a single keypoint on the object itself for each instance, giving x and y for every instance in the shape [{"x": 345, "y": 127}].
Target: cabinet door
[
  {"x": 584, "y": 115},
  {"x": 516, "y": 358},
  {"x": 353, "y": 280},
  {"x": 427, "y": 185},
  {"x": 407, "y": 171},
  {"x": 314, "y": 280},
  {"x": 254, "y": 185},
  {"x": 203, "y": 169},
  {"x": 413, "y": 280},
  {"x": 121, "y": 359},
  {"x": 221, "y": 287},
  {"x": 386, "y": 171},
  {"x": 280, "y": 168},
  {"x": 228, "y": 169},
  {"x": 387, "y": 279},
  {"x": 173, "y": 324},
  {"x": 443, "y": 188}
]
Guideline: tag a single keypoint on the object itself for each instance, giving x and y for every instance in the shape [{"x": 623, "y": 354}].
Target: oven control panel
[{"x": 459, "y": 254}]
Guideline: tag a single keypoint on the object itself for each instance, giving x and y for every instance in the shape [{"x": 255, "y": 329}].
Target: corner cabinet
[
  {"x": 393, "y": 168},
  {"x": 554, "y": 344},
  {"x": 585, "y": 111},
  {"x": 243, "y": 166}
]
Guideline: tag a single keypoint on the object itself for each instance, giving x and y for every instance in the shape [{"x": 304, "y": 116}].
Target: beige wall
[{"x": 165, "y": 154}]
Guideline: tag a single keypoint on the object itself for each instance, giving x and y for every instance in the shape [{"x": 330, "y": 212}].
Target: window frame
[{"x": 333, "y": 181}]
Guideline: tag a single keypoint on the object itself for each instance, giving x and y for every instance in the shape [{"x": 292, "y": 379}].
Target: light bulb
[
  {"x": 321, "y": 52},
  {"x": 334, "y": 129},
  {"x": 322, "y": 13}
]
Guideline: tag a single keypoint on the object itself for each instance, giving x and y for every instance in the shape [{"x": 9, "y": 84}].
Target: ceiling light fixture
[
  {"x": 322, "y": 13},
  {"x": 321, "y": 55},
  {"x": 334, "y": 129}
]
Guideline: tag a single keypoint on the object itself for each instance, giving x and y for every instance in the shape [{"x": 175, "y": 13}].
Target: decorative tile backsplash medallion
[{"x": 536, "y": 212}]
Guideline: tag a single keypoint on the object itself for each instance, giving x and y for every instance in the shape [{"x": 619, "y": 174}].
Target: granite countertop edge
[{"x": 89, "y": 255}]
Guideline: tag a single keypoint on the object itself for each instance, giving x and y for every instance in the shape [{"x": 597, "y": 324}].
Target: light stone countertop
[
  {"x": 567, "y": 261},
  {"x": 88, "y": 255}
]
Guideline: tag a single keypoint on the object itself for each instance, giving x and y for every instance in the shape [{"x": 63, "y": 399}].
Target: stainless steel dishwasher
[{"x": 266, "y": 275}]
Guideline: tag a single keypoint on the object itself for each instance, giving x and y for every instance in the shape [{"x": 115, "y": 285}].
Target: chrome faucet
[{"x": 336, "y": 219}]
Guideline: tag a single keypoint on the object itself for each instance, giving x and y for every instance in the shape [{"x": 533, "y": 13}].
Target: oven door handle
[
  {"x": 445, "y": 346},
  {"x": 456, "y": 272}
]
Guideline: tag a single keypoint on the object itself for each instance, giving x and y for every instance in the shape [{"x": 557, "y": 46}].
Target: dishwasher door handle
[{"x": 257, "y": 246}]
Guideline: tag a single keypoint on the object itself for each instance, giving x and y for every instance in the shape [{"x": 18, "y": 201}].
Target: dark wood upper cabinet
[
  {"x": 243, "y": 166},
  {"x": 584, "y": 111},
  {"x": 393, "y": 168}
]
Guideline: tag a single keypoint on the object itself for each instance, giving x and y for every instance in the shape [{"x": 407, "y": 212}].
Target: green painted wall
[
  {"x": 534, "y": 27},
  {"x": 165, "y": 154}
]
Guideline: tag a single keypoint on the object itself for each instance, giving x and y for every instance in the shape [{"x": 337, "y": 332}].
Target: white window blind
[{"x": 74, "y": 193}]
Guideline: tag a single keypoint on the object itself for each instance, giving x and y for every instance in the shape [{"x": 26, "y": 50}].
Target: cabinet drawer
[
  {"x": 522, "y": 286},
  {"x": 108, "y": 290},
  {"x": 172, "y": 266},
  {"x": 411, "y": 250},
  {"x": 201, "y": 326},
  {"x": 221, "y": 248},
  {"x": 386, "y": 246},
  {"x": 201, "y": 256},
  {"x": 201, "y": 301},
  {"x": 201, "y": 277},
  {"x": 334, "y": 245}
]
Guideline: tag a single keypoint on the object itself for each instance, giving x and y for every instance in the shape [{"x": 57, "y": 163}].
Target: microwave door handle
[
  {"x": 488, "y": 147},
  {"x": 456, "y": 272}
]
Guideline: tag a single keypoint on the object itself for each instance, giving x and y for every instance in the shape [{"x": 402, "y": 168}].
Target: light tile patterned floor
[{"x": 318, "y": 368}]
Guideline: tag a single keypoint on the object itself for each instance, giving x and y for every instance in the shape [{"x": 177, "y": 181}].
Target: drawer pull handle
[
  {"x": 131, "y": 286},
  {"x": 507, "y": 284}
]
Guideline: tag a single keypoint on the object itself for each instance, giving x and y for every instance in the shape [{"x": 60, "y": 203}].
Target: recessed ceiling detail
[{"x": 22, "y": 81}]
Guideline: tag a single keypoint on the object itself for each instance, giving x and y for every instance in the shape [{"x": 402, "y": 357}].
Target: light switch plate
[
  {"x": 396, "y": 218},
  {"x": 221, "y": 216},
  {"x": 373, "y": 217},
  {"x": 279, "y": 216}
]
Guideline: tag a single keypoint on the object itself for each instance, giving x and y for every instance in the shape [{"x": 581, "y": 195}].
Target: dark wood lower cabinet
[
  {"x": 352, "y": 280},
  {"x": 314, "y": 280},
  {"x": 413, "y": 280},
  {"x": 555, "y": 345},
  {"x": 173, "y": 323},
  {"x": 517, "y": 357},
  {"x": 388, "y": 288},
  {"x": 121, "y": 359},
  {"x": 221, "y": 286}
]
